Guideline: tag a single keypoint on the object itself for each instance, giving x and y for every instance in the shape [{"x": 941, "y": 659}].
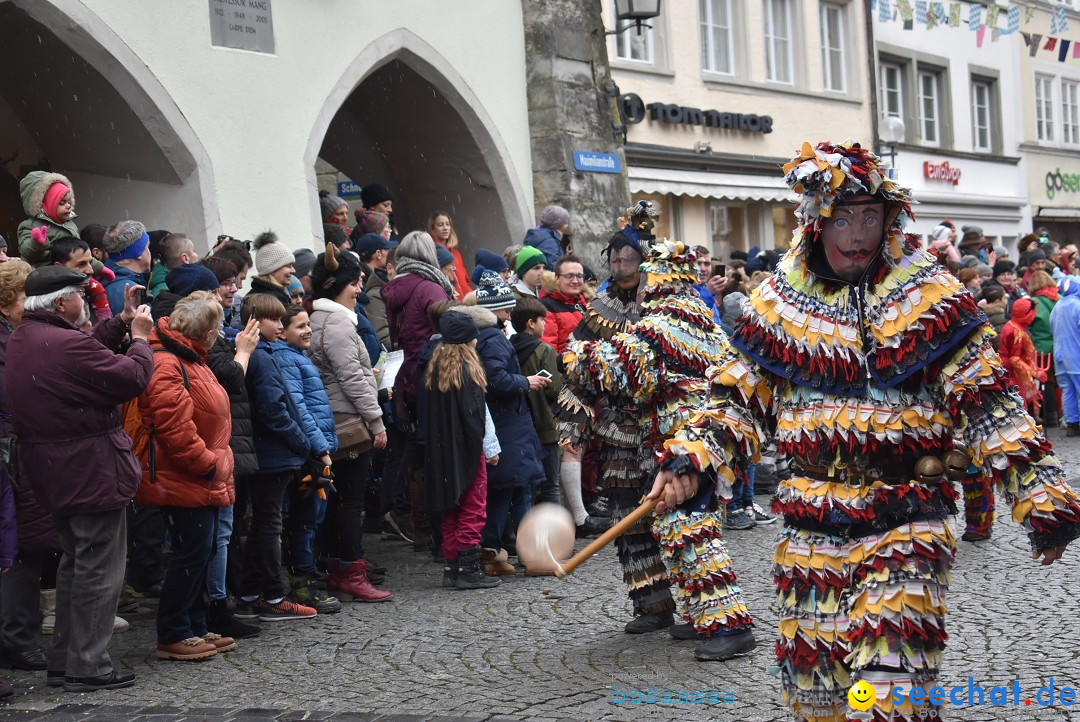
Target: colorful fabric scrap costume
[
  {"x": 866, "y": 384},
  {"x": 583, "y": 415},
  {"x": 660, "y": 363}
]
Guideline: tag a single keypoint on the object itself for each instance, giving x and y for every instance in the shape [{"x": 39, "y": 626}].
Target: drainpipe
[{"x": 868, "y": 16}]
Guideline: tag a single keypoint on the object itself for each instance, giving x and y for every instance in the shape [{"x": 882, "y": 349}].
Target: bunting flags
[{"x": 980, "y": 19}]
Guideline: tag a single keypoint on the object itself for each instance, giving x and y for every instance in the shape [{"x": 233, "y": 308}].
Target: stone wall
[{"x": 567, "y": 73}]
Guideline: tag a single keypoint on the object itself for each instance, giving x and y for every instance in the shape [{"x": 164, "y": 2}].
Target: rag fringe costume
[
  {"x": 660, "y": 363},
  {"x": 866, "y": 385},
  {"x": 582, "y": 414}
]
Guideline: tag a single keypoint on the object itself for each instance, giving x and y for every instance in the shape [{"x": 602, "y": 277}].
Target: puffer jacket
[
  {"x": 407, "y": 300},
  {"x": 231, "y": 377},
  {"x": 280, "y": 441},
  {"x": 508, "y": 400},
  {"x": 193, "y": 464},
  {"x": 115, "y": 288},
  {"x": 306, "y": 388},
  {"x": 564, "y": 314},
  {"x": 547, "y": 241},
  {"x": 344, "y": 364},
  {"x": 32, "y": 188}
]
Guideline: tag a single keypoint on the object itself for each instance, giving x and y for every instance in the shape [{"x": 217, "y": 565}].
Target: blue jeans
[
  {"x": 504, "y": 502},
  {"x": 742, "y": 495},
  {"x": 306, "y": 512},
  {"x": 182, "y": 609},
  {"x": 219, "y": 561}
]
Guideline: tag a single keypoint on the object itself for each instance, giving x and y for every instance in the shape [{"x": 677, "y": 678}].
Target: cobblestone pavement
[{"x": 541, "y": 648}]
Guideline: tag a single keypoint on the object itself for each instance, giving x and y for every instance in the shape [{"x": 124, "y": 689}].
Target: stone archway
[
  {"x": 76, "y": 99},
  {"x": 402, "y": 116}
]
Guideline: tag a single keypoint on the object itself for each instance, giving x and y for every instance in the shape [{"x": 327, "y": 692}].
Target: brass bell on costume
[
  {"x": 929, "y": 470},
  {"x": 956, "y": 464}
]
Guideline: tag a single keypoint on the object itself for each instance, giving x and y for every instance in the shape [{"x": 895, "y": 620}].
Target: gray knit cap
[
  {"x": 554, "y": 217},
  {"x": 330, "y": 203},
  {"x": 270, "y": 253}
]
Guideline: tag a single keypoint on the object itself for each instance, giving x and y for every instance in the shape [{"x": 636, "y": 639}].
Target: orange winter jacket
[{"x": 191, "y": 427}]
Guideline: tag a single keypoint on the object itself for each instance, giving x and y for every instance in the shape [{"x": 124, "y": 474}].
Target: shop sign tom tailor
[{"x": 634, "y": 111}]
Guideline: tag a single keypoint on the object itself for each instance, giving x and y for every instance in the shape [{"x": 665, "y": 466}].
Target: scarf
[{"x": 426, "y": 271}]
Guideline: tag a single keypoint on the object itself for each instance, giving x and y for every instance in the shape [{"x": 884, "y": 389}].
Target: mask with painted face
[{"x": 852, "y": 236}]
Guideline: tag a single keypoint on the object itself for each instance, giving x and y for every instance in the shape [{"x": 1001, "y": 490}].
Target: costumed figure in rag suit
[
  {"x": 583, "y": 415},
  {"x": 659, "y": 363},
  {"x": 866, "y": 357}
]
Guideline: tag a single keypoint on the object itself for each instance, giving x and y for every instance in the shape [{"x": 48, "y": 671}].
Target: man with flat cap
[{"x": 65, "y": 388}]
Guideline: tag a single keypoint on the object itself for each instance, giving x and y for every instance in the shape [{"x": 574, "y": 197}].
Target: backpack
[{"x": 141, "y": 436}]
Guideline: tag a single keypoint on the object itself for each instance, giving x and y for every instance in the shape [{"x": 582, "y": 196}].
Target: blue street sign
[
  {"x": 348, "y": 189},
  {"x": 597, "y": 162}
]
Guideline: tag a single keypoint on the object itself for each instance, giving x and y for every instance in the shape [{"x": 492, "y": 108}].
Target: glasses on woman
[{"x": 229, "y": 284}]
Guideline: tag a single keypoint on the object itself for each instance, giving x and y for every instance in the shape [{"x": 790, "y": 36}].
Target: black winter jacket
[{"x": 231, "y": 377}]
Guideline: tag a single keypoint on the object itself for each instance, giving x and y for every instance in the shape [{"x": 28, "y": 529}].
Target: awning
[
  {"x": 704, "y": 184},
  {"x": 1064, "y": 214}
]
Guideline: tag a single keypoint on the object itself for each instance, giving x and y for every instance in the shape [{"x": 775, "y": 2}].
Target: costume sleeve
[
  {"x": 491, "y": 440},
  {"x": 725, "y": 436},
  {"x": 625, "y": 364},
  {"x": 1005, "y": 442}
]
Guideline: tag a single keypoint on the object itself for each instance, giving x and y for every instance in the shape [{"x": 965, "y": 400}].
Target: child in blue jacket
[
  {"x": 307, "y": 505},
  {"x": 282, "y": 447}
]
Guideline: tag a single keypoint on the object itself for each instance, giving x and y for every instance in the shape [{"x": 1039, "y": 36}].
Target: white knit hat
[{"x": 270, "y": 253}]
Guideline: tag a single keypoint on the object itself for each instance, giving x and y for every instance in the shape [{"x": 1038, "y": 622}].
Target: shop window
[
  {"x": 727, "y": 229},
  {"x": 833, "y": 47},
  {"x": 783, "y": 226},
  {"x": 981, "y": 110},
  {"x": 1070, "y": 111},
  {"x": 1044, "y": 107},
  {"x": 717, "y": 37},
  {"x": 929, "y": 108},
  {"x": 778, "y": 42}
]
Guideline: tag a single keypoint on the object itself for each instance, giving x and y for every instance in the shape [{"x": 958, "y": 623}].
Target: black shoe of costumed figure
[
  {"x": 592, "y": 527},
  {"x": 684, "y": 631},
  {"x": 717, "y": 649},
  {"x": 975, "y": 536},
  {"x": 650, "y": 622},
  {"x": 1072, "y": 429}
]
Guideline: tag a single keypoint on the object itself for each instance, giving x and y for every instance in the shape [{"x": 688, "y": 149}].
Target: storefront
[
  {"x": 1054, "y": 190},
  {"x": 966, "y": 190}
]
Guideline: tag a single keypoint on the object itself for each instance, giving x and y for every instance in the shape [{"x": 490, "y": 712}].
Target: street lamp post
[
  {"x": 635, "y": 11},
  {"x": 892, "y": 132}
]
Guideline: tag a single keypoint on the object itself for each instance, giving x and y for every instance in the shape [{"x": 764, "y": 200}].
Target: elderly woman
[
  {"x": 188, "y": 471},
  {"x": 350, "y": 384},
  {"x": 20, "y": 582},
  {"x": 417, "y": 284}
]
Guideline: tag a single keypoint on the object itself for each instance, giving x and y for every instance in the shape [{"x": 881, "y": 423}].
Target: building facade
[
  {"x": 954, "y": 88},
  {"x": 718, "y": 94},
  {"x": 212, "y": 116}
]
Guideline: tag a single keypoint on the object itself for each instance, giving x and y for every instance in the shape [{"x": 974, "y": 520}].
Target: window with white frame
[
  {"x": 832, "y": 47},
  {"x": 778, "y": 41},
  {"x": 929, "y": 108},
  {"x": 717, "y": 40},
  {"x": 1070, "y": 111},
  {"x": 892, "y": 90},
  {"x": 1044, "y": 107},
  {"x": 631, "y": 45},
  {"x": 981, "y": 123}
]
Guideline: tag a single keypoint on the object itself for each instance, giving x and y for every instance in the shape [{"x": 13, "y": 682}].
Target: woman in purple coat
[{"x": 417, "y": 284}]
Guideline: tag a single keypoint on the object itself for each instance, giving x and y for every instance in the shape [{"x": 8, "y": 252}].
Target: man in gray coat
[{"x": 65, "y": 388}]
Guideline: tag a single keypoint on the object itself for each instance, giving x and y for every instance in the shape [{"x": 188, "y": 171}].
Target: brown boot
[{"x": 494, "y": 563}]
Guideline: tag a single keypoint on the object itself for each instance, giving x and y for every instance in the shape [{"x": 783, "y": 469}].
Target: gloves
[
  {"x": 40, "y": 235},
  {"x": 317, "y": 478},
  {"x": 107, "y": 274}
]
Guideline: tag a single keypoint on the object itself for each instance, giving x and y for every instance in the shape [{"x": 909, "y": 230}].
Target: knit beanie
[
  {"x": 369, "y": 221},
  {"x": 444, "y": 256},
  {"x": 270, "y": 253},
  {"x": 305, "y": 261},
  {"x": 333, "y": 233},
  {"x": 52, "y": 199},
  {"x": 493, "y": 294},
  {"x": 373, "y": 194},
  {"x": 732, "y": 306},
  {"x": 984, "y": 270},
  {"x": 1036, "y": 255},
  {"x": 527, "y": 258},
  {"x": 188, "y": 278},
  {"x": 1004, "y": 267},
  {"x": 457, "y": 327},
  {"x": 330, "y": 282},
  {"x": 1002, "y": 252},
  {"x": 294, "y": 287},
  {"x": 491, "y": 261},
  {"x": 940, "y": 233},
  {"x": 554, "y": 217},
  {"x": 329, "y": 204}
]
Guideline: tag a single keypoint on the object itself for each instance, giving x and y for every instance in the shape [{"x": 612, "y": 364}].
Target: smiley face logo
[{"x": 861, "y": 696}]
